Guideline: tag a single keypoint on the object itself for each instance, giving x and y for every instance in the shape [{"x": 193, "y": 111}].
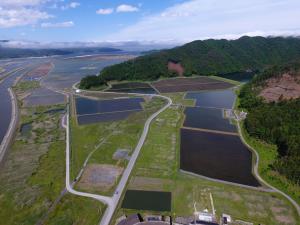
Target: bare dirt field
[
  {"x": 148, "y": 183},
  {"x": 189, "y": 84},
  {"x": 285, "y": 87},
  {"x": 98, "y": 176}
]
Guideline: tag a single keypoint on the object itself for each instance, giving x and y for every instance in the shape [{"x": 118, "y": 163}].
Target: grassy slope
[{"x": 160, "y": 159}]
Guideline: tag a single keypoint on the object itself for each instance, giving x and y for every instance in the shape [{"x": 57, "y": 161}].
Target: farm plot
[
  {"x": 42, "y": 97},
  {"x": 97, "y": 176},
  {"x": 189, "y": 84},
  {"x": 147, "y": 200},
  {"x": 217, "y": 156},
  {"x": 93, "y": 111},
  {"x": 132, "y": 87},
  {"x": 207, "y": 118},
  {"x": 213, "y": 99}
]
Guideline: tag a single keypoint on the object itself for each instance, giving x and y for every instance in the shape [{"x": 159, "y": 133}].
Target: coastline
[{"x": 7, "y": 140}]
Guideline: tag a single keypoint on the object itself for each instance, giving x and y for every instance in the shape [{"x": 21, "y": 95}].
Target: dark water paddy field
[
  {"x": 207, "y": 118},
  {"x": 217, "y": 156},
  {"x": 147, "y": 200},
  {"x": 43, "y": 96},
  {"x": 239, "y": 76},
  {"x": 94, "y": 111},
  {"x": 213, "y": 99},
  {"x": 132, "y": 87},
  {"x": 25, "y": 129}
]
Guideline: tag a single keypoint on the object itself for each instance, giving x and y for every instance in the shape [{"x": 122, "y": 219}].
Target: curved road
[{"x": 113, "y": 201}]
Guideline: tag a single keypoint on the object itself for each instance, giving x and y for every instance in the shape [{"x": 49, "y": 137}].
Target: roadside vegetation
[{"x": 274, "y": 129}]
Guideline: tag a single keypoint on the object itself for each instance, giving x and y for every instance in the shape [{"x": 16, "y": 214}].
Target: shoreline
[{"x": 7, "y": 140}]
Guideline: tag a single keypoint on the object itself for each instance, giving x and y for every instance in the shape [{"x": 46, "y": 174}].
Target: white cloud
[
  {"x": 71, "y": 5},
  {"x": 105, "y": 11},
  {"x": 20, "y": 17},
  {"x": 127, "y": 8},
  {"x": 58, "y": 25},
  {"x": 21, "y": 3},
  {"x": 21, "y": 12},
  {"x": 74, "y": 5},
  {"x": 198, "y": 19}
]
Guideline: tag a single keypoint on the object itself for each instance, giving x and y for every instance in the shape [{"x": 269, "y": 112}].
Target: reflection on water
[
  {"x": 215, "y": 99},
  {"x": 69, "y": 71}
]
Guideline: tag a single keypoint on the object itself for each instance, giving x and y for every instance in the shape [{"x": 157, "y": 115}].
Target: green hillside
[
  {"x": 209, "y": 57},
  {"x": 276, "y": 123}
]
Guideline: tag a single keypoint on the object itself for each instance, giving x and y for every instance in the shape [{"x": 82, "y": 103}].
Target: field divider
[
  {"x": 112, "y": 112},
  {"x": 210, "y": 131}
]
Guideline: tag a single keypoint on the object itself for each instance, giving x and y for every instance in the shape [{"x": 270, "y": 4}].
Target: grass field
[
  {"x": 268, "y": 154},
  {"x": 104, "y": 139},
  {"x": 33, "y": 175},
  {"x": 157, "y": 168}
]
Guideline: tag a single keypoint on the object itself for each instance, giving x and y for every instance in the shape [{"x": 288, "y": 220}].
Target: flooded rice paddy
[
  {"x": 68, "y": 71},
  {"x": 43, "y": 96},
  {"x": 94, "y": 111},
  {"x": 217, "y": 156},
  {"x": 213, "y": 99},
  {"x": 207, "y": 118},
  {"x": 147, "y": 200},
  {"x": 210, "y": 145},
  {"x": 239, "y": 76}
]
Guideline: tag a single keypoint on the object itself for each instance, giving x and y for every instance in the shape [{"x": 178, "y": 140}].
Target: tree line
[{"x": 275, "y": 122}]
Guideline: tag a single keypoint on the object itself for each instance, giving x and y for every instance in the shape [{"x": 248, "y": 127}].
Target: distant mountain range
[
  {"x": 6, "y": 52},
  {"x": 208, "y": 57}
]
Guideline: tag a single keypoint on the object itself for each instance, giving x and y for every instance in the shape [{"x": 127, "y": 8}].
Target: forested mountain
[
  {"x": 275, "y": 118},
  {"x": 208, "y": 57}
]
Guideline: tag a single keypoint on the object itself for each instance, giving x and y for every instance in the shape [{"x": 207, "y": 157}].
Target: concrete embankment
[{"x": 7, "y": 140}]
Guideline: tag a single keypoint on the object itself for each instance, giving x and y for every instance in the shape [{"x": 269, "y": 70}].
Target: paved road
[{"x": 111, "y": 202}]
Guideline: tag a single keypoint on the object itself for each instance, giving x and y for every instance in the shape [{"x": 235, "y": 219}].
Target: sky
[{"x": 148, "y": 21}]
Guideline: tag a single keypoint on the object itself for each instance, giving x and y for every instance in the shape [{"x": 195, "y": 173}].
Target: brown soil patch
[
  {"x": 284, "y": 219},
  {"x": 147, "y": 183},
  {"x": 101, "y": 177},
  {"x": 189, "y": 84},
  {"x": 283, "y": 88}
]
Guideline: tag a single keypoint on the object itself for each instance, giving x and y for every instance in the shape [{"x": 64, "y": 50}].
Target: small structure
[
  {"x": 226, "y": 219},
  {"x": 129, "y": 220},
  {"x": 121, "y": 154},
  {"x": 153, "y": 218}
]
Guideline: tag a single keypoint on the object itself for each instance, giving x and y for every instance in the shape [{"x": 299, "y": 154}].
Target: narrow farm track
[{"x": 112, "y": 201}]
